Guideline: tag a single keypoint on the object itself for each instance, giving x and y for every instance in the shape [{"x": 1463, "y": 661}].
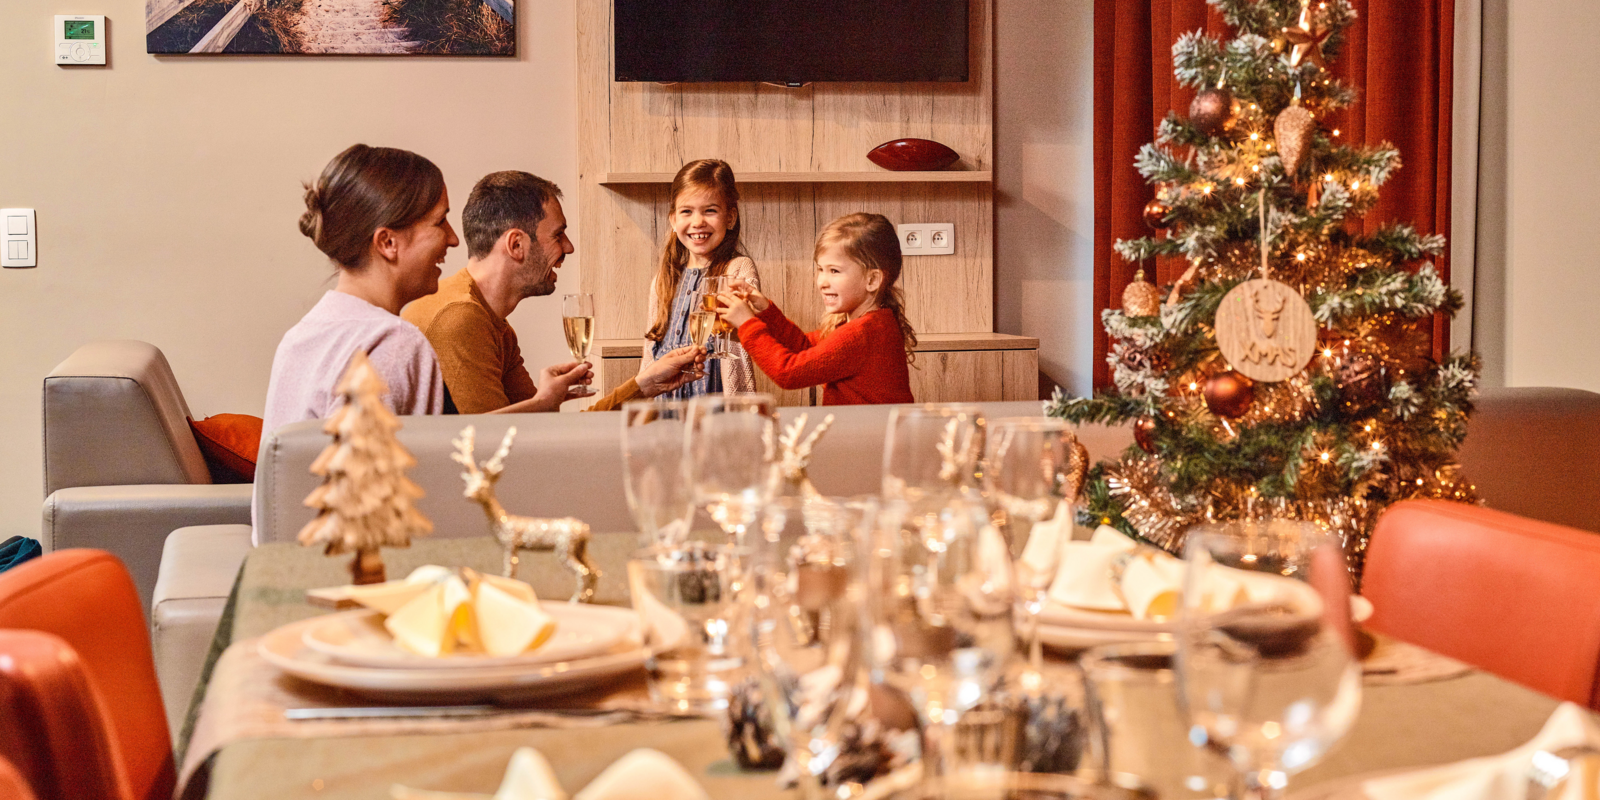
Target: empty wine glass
[
  {"x": 652, "y": 475},
  {"x": 931, "y": 451},
  {"x": 1030, "y": 468},
  {"x": 939, "y": 593},
  {"x": 807, "y": 587},
  {"x": 577, "y": 320},
  {"x": 1266, "y": 648},
  {"x": 728, "y": 456}
]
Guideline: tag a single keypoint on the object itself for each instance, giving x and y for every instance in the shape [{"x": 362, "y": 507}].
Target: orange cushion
[{"x": 229, "y": 443}]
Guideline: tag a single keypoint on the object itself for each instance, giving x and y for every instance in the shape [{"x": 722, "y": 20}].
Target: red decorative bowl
[{"x": 902, "y": 155}]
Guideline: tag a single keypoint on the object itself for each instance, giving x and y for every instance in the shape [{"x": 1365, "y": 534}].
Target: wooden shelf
[
  {"x": 926, "y": 343},
  {"x": 885, "y": 176}
]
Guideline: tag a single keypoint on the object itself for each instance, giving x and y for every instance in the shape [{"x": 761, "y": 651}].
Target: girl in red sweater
[{"x": 862, "y": 351}]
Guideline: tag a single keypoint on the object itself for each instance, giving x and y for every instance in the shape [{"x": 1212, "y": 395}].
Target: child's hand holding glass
[{"x": 741, "y": 303}]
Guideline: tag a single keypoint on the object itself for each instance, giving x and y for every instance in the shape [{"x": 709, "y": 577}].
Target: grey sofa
[{"x": 121, "y": 467}]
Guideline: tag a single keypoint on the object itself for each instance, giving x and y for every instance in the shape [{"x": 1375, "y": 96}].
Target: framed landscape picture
[{"x": 332, "y": 27}]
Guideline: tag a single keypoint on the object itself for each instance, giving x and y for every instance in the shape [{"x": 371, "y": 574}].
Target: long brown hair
[
  {"x": 363, "y": 189},
  {"x": 870, "y": 240},
  {"x": 709, "y": 175}
]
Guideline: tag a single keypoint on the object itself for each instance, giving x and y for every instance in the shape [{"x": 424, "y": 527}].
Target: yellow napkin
[
  {"x": 642, "y": 774},
  {"x": 1504, "y": 775},
  {"x": 435, "y": 611}
]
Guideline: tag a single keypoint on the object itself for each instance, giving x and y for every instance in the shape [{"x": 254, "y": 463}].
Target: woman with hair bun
[{"x": 379, "y": 214}]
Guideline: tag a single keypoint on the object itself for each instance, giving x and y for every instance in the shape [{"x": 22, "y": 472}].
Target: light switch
[{"x": 20, "y": 247}]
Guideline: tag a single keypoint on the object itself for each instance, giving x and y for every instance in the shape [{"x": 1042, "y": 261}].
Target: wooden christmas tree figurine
[{"x": 365, "y": 500}]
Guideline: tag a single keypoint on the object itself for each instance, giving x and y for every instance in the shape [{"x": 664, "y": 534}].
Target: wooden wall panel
[{"x": 644, "y": 127}]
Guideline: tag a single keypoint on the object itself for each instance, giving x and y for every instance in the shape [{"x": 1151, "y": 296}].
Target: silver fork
[{"x": 1550, "y": 767}]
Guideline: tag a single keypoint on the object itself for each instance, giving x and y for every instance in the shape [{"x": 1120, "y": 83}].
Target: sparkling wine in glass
[
  {"x": 701, "y": 324},
  {"x": 577, "y": 320},
  {"x": 728, "y": 456},
  {"x": 1266, "y": 648},
  {"x": 723, "y": 332},
  {"x": 1030, "y": 469},
  {"x": 652, "y": 460}
]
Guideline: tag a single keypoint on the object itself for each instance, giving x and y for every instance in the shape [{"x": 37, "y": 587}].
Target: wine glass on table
[
  {"x": 1031, "y": 469},
  {"x": 729, "y": 457},
  {"x": 806, "y": 583},
  {"x": 940, "y": 581},
  {"x": 577, "y": 321},
  {"x": 1267, "y": 665},
  {"x": 652, "y": 460}
]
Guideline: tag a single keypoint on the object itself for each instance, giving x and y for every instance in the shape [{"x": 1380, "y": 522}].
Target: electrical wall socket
[{"x": 927, "y": 239}]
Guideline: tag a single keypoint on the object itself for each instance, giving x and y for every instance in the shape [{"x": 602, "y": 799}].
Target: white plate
[
  {"x": 1067, "y": 628},
  {"x": 358, "y": 638},
  {"x": 1074, "y": 639},
  {"x": 285, "y": 649}
]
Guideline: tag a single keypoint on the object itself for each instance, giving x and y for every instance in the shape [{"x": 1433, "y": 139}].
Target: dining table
[{"x": 1401, "y": 724}]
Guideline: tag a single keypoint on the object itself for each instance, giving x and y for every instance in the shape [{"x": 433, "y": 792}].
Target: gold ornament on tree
[
  {"x": 1292, "y": 131},
  {"x": 365, "y": 499},
  {"x": 1306, "y": 38},
  {"x": 567, "y": 536},
  {"x": 1141, "y": 298},
  {"x": 1264, "y": 327}
]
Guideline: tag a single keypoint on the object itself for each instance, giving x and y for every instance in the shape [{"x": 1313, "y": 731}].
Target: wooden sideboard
[{"x": 950, "y": 367}]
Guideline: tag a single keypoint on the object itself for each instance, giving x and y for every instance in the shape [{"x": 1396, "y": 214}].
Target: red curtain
[{"x": 1396, "y": 55}]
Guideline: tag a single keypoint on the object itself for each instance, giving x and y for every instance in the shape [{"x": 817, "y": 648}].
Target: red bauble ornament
[
  {"x": 1213, "y": 111},
  {"x": 1155, "y": 214},
  {"x": 1144, "y": 432},
  {"x": 1229, "y": 394}
]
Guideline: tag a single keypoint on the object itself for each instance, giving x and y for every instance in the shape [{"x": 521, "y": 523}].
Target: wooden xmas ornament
[
  {"x": 365, "y": 499},
  {"x": 1141, "y": 298},
  {"x": 1292, "y": 132},
  {"x": 1265, "y": 330},
  {"x": 568, "y": 537}
]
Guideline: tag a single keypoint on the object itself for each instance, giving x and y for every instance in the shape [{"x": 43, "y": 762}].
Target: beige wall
[
  {"x": 167, "y": 192},
  {"x": 1044, "y": 182},
  {"x": 1552, "y": 272}
]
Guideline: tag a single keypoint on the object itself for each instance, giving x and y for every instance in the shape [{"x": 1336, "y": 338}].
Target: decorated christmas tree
[
  {"x": 1288, "y": 373},
  {"x": 365, "y": 499}
]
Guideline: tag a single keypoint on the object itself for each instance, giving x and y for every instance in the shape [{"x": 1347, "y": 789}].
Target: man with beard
[{"x": 516, "y": 238}]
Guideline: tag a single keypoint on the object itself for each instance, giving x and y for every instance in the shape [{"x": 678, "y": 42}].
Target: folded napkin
[
  {"x": 1504, "y": 775},
  {"x": 1112, "y": 572},
  {"x": 436, "y": 611},
  {"x": 642, "y": 774}
]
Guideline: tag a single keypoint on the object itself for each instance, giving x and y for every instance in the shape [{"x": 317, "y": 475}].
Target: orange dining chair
[
  {"x": 1511, "y": 595},
  {"x": 12, "y": 784},
  {"x": 80, "y": 709}
]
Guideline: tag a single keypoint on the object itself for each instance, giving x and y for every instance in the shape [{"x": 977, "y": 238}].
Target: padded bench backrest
[
  {"x": 569, "y": 465},
  {"x": 113, "y": 416}
]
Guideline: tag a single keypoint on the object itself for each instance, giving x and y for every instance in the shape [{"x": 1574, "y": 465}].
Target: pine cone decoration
[
  {"x": 1141, "y": 298},
  {"x": 750, "y": 738},
  {"x": 1293, "y": 134},
  {"x": 1053, "y": 735}
]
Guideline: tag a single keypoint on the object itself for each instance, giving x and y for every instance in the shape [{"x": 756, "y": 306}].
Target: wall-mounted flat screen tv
[{"x": 791, "y": 41}]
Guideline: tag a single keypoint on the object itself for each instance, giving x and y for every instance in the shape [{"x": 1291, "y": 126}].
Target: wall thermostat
[{"x": 80, "y": 39}]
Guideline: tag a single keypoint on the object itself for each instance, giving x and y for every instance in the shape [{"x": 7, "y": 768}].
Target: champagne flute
[
  {"x": 723, "y": 332},
  {"x": 729, "y": 457},
  {"x": 1030, "y": 471},
  {"x": 652, "y": 460},
  {"x": 577, "y": 320},
  {"x": 807, "y": 590},
  {"x": 702, "y": 319},
  {"x": 939, "y": 595},
  {"x": 931, "y": 451},
  {"x": 1266, "y": 649}
]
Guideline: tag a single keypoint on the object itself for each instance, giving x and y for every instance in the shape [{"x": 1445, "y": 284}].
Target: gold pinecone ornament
[{"x": 1141, "y": 298}]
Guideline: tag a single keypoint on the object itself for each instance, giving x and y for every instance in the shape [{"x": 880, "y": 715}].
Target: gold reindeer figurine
[{"x": 567, "y": 536}]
